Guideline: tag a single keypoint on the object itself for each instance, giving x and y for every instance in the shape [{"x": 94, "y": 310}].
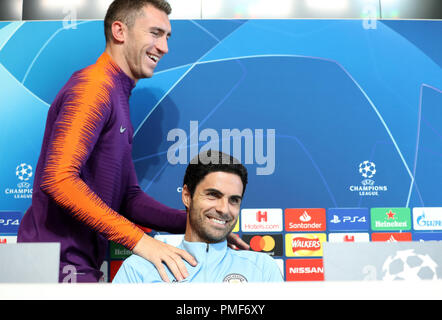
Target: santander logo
[{"x": 305, "y": 217}]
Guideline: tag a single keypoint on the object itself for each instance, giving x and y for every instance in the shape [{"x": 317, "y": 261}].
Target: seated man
[{"x": 213, "y": 187}]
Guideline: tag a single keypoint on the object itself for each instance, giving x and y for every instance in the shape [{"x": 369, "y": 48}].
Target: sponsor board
[
  {"x": 304, "y": 244},
  {"x": 117, "y": 251},
  {"x": 390, "y": 219},
  {"x": 390, "y": 237},
  {"x": 114, "y": 267},
  {"x": 261, "y": 220},
  {"x": 427, "y": 219},
  {"x": 348, "y": 237},
  {"x": 427, "y": 236},
  {"x": 267, "y": 243},
  {"x": 299, "y": 220},
  {"x": 348, "y": 219},
  {"x": 304, "y": 270},
  {"x": 8, "y": 239},
  {"x": 9, "y": 222}
]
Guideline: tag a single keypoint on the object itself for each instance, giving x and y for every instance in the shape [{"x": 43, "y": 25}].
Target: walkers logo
[
  {"x": 304, "y": 270},
  {"x": 427, "y": 218},
  {"x": 367, "y": 169},
  {"x": 348, "y": 219},
  {"x": 348, "y": 237},
  {"x": 391, "y": 237},
  {"x": 261, "y": 220},
  {"x": 304, "y": 244},
  {"x": 23, "y": 190},
  {"x": 270, "y": 244},
  {"x": 387, "y": 219},
  {"x": 9, "y": 222},
  {"x": 305, "y": 220}
]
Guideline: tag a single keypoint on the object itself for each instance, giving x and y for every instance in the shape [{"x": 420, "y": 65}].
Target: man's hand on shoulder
[{"x": 158, "y": 252}]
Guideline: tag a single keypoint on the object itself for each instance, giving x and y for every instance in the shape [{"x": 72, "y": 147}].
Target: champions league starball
[
  {"x": 367, "y": 169},
  {"x": 23, "y": 172},
  {"x": 408, "y": 265}
]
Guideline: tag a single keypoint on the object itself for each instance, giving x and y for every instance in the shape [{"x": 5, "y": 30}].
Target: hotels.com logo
[
  {"x": 261, "y": 216},
  {"x": 261, "y": 220}
]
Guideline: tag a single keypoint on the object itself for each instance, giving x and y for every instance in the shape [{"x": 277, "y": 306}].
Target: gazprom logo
[{"x": 427, "y": 218}]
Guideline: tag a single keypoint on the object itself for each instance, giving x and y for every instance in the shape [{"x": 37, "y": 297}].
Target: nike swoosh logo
[{"x": 122, "y": 129}]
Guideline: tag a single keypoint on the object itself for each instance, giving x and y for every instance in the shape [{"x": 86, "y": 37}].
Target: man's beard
[{"x": 204, "y": 232}]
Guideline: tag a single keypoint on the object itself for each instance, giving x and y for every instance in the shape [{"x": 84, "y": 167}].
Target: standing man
[
  {"x": 85, "y": 189},
  {"x": 213, "y": 189}
]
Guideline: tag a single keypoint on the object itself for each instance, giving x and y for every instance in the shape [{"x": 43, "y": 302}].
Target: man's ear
[
  {"x": 119, "y": 31},
  {"x": 185, "y": 196}
]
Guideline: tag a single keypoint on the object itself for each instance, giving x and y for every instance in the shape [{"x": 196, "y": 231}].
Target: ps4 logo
[{"x": 348, "y": 219}]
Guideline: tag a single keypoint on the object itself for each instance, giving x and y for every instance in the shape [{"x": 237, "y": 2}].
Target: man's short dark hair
[
  {"x": 212, "y": 161},
  {"x": 127, "y": 11}
]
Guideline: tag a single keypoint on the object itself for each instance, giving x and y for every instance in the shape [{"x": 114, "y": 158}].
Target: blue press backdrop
[{"x": 335, "y": 93}]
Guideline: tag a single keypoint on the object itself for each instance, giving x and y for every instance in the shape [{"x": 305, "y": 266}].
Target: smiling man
[
  {"x": 85, "y": 188},
  {"x": 213, "y": 188}
]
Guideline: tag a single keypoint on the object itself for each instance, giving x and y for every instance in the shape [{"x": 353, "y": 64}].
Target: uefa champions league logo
[
  {"x": 23, "y": 190},
  {"x": 367, "y": 169}
]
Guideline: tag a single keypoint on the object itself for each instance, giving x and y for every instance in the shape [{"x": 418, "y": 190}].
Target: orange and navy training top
[{"x": 85, "y": 187}]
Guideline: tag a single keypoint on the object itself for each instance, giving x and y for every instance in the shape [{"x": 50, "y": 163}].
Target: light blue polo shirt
[{"x": 216, "y": 263}]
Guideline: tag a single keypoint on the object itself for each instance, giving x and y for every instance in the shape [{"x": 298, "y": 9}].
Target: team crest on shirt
[{"x": 235, "y": 278}]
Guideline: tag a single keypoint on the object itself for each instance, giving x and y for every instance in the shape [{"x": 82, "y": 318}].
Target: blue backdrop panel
[
  {"x": 327, "y": 95},
  {"x": 335, "y": 93}
]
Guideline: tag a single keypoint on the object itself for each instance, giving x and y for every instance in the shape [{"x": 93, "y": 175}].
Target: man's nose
[
  {"x": 222, "y": 205},
  {"x": 162, "y": 45}
]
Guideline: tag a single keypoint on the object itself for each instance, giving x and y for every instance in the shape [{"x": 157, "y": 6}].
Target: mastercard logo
[
  {"x": 270, "y": 244},
  {"x": 262, "y": 243}
]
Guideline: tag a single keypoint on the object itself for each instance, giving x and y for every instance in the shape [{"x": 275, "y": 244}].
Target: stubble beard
[{"x": 204, "y": 233}]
